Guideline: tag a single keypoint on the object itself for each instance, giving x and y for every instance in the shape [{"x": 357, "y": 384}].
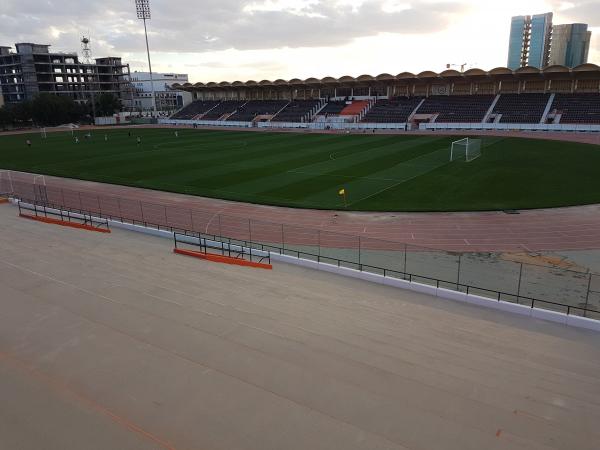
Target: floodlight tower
[
  {"x": 86, "y": 52},
  {"x": 143, "y": 12}
]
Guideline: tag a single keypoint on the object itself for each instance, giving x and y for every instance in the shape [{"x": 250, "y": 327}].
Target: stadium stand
[
  {"x": 194, "y": 109},
  {"x": 255, "y": 108},
  {"x": 555, "y": 95},
  {"x": 225, "y": 107},
  {"x": 521, "y": 108},
  {"x": 578, "y": 108},
  {"x": 296, "y": 111},
  {"x": 457, "y": 108},
  {"x": 333, "y": 108},
  {"x": 396, "y": 110}
]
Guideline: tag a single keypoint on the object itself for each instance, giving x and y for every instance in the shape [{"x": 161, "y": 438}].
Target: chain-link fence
[{"x": 485, "y": 274}]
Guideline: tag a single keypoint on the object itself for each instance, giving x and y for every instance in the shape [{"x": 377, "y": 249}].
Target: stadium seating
[
  {"x": 296, "y": 111},
  {"x": 395, "y": 110},
  {"x": 226, "y": 107},
  {"x": 194, "y": 109},
  {"x": 333, "y": 108},
  {"x": 457, "y": 108},
  {"x": 521, "y": 108},
  {"x": 253, "y": 108},
  {"x": 578, "y": 108},
  {"x": 525, "y": 108}
]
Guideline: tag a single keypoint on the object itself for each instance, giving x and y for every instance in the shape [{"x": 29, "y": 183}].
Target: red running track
[{"x": 573, "y": 228}]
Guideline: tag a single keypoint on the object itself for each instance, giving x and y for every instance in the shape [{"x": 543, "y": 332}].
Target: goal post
[{"x": 466, "y": 149}]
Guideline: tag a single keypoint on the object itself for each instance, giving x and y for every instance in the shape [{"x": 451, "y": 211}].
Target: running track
[{"x": 574, "y": 228}]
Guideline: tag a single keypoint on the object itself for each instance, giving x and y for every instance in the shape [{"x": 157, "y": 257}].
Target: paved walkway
[{"x": 113, "y": 342}]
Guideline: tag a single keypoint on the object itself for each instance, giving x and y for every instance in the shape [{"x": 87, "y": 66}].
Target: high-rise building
[
  {"x": 570, "y": 44},
  {"x": 530, "y": 41},
  {"x": 33, "y": 69}
]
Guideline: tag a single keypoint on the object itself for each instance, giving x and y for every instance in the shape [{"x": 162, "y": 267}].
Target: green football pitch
[{"x": 377, "y": 172}]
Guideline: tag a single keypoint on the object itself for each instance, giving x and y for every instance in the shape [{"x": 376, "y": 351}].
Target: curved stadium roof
[{"x": 386, "y": 77}]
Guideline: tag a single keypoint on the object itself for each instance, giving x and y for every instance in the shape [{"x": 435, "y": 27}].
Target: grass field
[{"x": 378, "y": 172}]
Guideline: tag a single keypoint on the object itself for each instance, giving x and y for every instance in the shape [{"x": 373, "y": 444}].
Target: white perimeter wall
[{"x": 386, "y": 126}]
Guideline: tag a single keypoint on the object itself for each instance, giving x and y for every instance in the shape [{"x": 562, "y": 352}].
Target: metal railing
[
  {"x": 80, "y": 218},
  {"x": 216, "y": 245},
  {"x": 485, "y": 274}
]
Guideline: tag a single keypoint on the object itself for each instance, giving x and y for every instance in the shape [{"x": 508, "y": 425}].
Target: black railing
[
  {"x": 80, "y": 217},
  {"x": 529, "y": 281},
  {"x": 216, "y": 245}
]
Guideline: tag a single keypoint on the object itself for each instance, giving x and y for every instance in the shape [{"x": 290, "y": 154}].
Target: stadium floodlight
[
  {"x": 142, "y": 8},
  {"x": 467, "y": 149}
]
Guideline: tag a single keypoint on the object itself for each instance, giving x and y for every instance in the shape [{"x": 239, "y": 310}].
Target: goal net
[{"x": 466, "y": 149}]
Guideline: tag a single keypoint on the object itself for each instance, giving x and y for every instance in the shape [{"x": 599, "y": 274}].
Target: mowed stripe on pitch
[
  {"x": 327, "y": 172},
  {"x": 360, "y": 169}
]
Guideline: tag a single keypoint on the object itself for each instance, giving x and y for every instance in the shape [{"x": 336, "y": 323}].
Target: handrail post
[
  {"x": 519, "y": 286},
  {"x": 587, "y": 295},
  {"x": 458, "y": 274},
  {"x": 405, "y": 252},
  {"x": 318, "y": 245},
  {"x": 359, "y": 246},
  {"x": 250, "y": 237}
]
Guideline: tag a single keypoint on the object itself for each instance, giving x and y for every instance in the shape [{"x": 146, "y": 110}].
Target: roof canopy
[{"x": 446, "y": 75}]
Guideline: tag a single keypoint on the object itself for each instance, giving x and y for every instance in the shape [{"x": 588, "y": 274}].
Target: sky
[{"x": 230, "y": 40}]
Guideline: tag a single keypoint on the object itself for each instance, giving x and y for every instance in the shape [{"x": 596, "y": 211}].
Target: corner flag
[{"x": 342, "y": 193}]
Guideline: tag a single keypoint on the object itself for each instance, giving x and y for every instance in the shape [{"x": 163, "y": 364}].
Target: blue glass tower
[
  {"x": 530, "y": 41},
  {"x": 540, "y": 41},
  {"x": 518, "y": 31}
]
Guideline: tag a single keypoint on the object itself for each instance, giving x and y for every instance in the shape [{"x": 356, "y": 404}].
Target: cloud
[
  {"x": 584, "y": 12},
  {"x": 212, "y": 25}
]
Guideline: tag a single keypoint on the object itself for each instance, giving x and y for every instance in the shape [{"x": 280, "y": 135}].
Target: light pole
[{"x": 143, "y": 12}]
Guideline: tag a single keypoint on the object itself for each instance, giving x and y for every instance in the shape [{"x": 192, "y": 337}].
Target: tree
[
  {"x": 21, "y": 113},
  {"x": 107, "y": 104},
  {"x": 44, "y": 110},
  {"x": 6, "y": 117}
]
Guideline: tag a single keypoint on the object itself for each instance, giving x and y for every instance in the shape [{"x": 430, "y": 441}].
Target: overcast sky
[{"x": 228, "y": 40}]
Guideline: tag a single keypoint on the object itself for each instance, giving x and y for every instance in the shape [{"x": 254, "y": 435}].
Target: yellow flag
[{"x": 342, "y": 191}]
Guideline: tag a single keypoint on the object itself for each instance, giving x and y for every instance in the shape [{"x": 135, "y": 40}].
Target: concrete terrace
[{"x": 112, "y": 341}]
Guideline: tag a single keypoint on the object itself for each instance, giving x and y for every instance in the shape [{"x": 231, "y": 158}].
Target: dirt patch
[{"x": 541, "y": 259}]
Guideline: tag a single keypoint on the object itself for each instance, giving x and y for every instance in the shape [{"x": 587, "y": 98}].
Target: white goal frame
[{"x": 470, "y": 148}]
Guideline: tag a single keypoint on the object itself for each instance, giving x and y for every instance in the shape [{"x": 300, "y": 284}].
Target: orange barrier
[
  {"x": 64, "y": 223},
  {"x": 222, "y": 259},
  {"x": 3, "y": 201}
]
